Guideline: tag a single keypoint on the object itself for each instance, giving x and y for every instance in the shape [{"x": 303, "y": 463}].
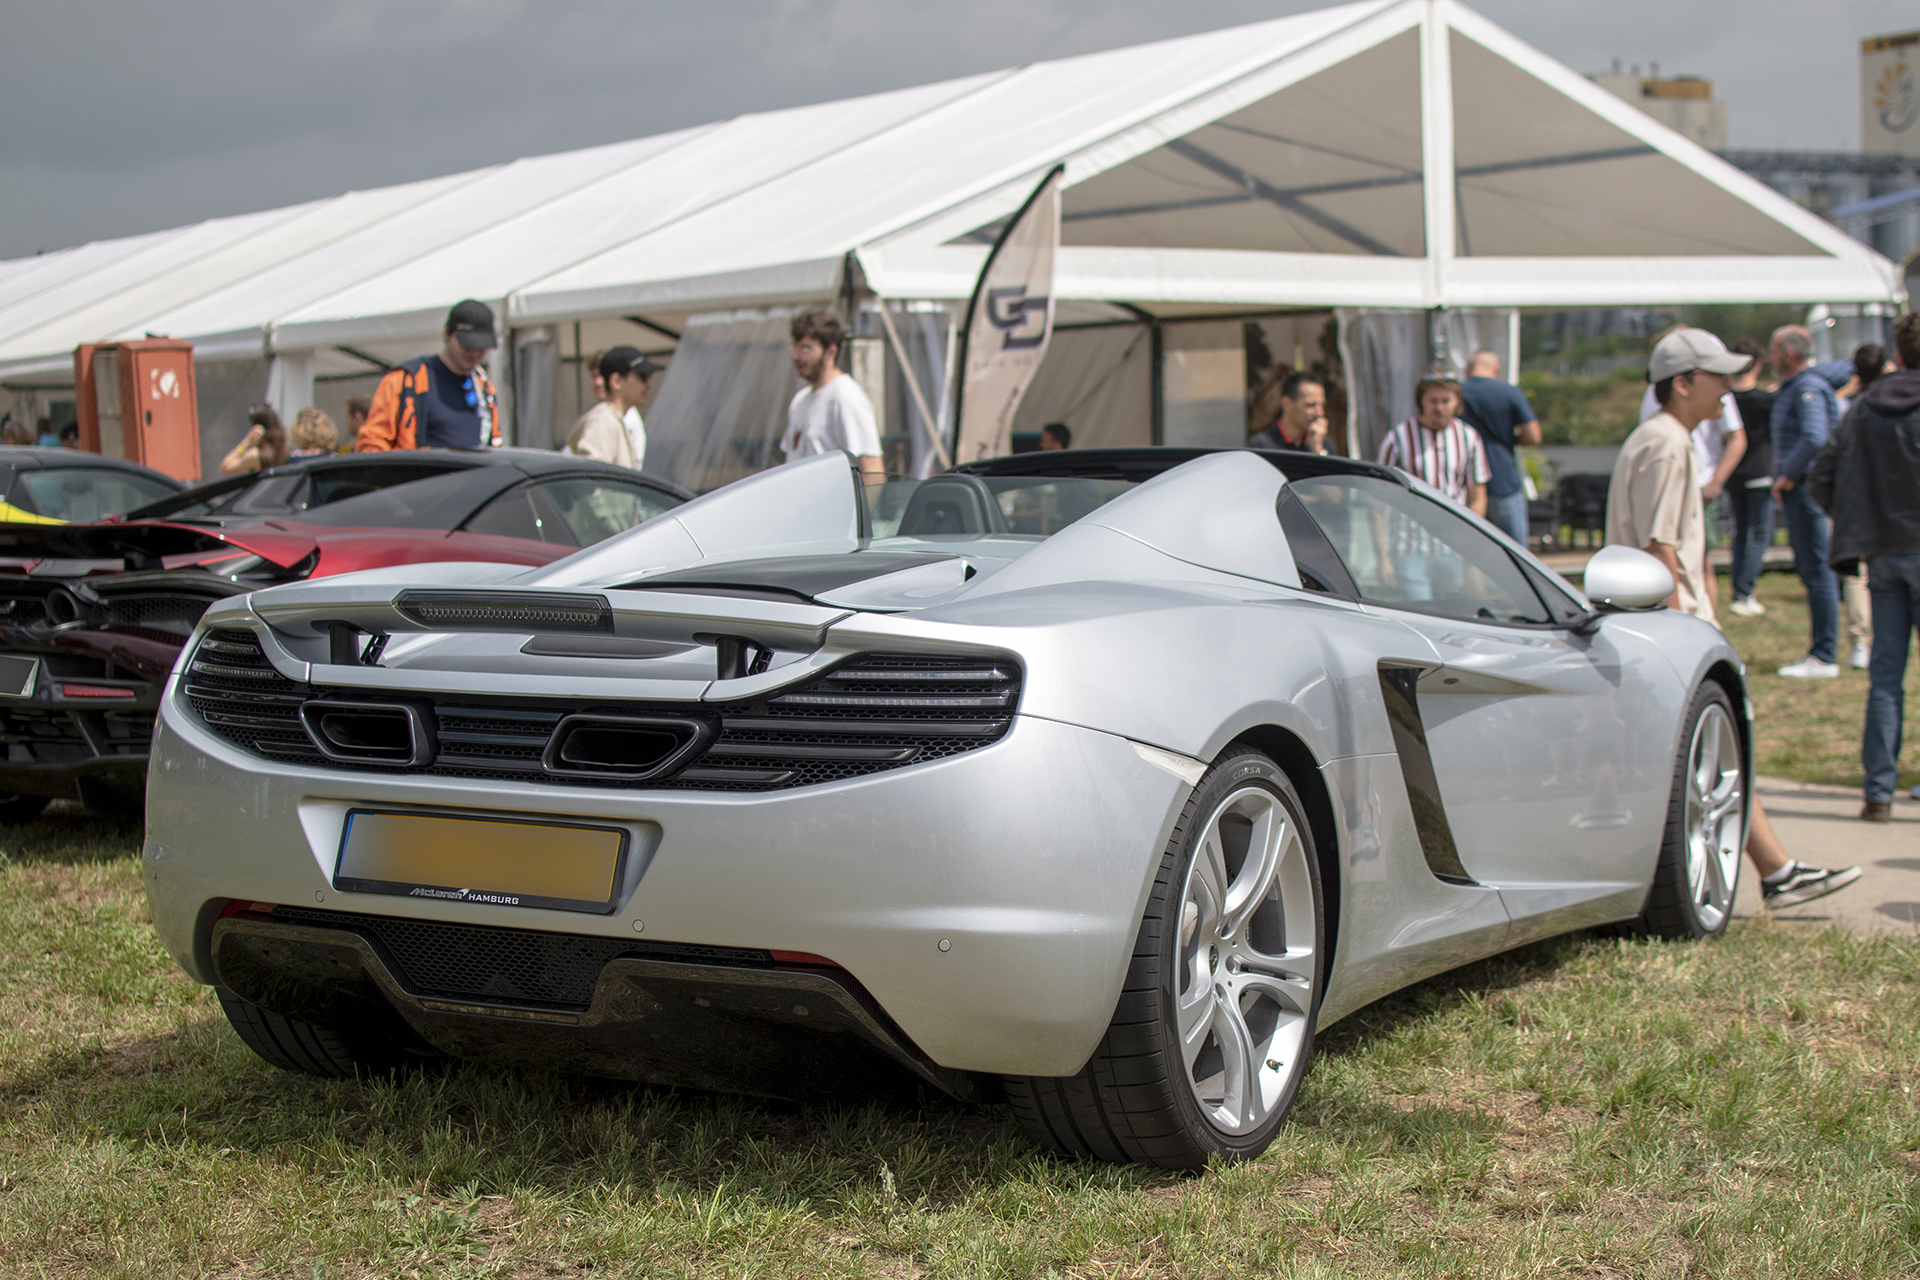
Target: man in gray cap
[{"x": 1653, "y": 505}]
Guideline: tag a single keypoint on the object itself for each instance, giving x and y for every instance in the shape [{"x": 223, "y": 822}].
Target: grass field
[
  {"x": 1589, "y": 1107},
  {"x": 1582, "y": 1108},
  {"x": 1808, "y": 730}
]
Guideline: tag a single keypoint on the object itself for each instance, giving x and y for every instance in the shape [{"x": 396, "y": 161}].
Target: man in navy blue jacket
[{"x": 1804, "y": 414}]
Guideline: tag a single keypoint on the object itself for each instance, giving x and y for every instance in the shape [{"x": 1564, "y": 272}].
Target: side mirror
[{"x": 1620, "y": 578}]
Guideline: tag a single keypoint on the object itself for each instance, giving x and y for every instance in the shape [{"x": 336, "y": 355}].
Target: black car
[
  {"x": 66, "y": 484},
  {"x": 93, "y": 620},
  {"x": 303, "y": 484}
]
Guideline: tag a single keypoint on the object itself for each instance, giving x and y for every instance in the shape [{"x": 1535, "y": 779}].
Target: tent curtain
[
  {"x": 1385, "y": 353},
  {"x": 926, "y": 331},
  {"x": 536, "y": 369},
  {"x": 1097, "y": 381},
  {"x": 722, "y": 404},
  {"x": 226, "y": 390},
  {"x": 1469, "y": 329},
  {"x": 290, "y": 384}
]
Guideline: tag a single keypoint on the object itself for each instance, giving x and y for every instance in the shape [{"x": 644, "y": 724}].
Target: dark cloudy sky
[{"x": 133, "y": 116}]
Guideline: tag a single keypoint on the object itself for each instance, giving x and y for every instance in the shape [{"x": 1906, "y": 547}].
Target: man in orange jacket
[{"x": 442, "y": 401}]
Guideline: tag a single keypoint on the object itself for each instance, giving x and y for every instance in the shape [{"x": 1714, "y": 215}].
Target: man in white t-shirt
[{"x": 831, "y": 411}]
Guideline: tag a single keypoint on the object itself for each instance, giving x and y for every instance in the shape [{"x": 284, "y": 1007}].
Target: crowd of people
[{"x": 15, "y": 432}]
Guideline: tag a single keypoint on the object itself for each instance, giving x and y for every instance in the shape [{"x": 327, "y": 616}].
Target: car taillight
[{"x": 95, "y": 691}]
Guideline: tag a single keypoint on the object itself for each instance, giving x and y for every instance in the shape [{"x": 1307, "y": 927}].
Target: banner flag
[{"x": 1009, "y": 321}]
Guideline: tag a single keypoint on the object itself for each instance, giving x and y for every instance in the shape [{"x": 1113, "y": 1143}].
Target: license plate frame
[{"x": 401, "y": 853}]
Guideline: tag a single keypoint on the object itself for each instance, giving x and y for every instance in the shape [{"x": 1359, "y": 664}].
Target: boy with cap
[
  {"x": 602, "y": 432},
  {"x": 442, "y": 401},
  {"x": 1653, "y": 505}
]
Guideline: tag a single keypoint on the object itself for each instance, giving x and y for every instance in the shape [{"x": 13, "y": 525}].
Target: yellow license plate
[{"x": 500, "y": 861}]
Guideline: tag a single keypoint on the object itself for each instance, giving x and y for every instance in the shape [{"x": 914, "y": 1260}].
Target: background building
[{"x": 1685, "y": 104}]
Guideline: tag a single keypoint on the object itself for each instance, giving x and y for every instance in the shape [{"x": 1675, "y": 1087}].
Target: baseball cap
[
  {"x": 627, "y": 360},
  {"x": 1685, "y": 350},
  {"x": 472, "y": 322}
]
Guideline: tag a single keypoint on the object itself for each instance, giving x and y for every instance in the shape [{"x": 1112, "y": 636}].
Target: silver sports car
[{"x": 1091, "y": 780}]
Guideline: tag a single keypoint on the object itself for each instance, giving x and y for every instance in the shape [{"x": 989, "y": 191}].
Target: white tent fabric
[{"x": 1388, "y": 154}]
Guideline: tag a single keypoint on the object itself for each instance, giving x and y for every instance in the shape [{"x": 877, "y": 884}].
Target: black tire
[
  {"x": 1135, "y": 1100},
  {"x": 331, "y": 1052},
  {"x": 15, "y": 810},
  {"x": 1695, "y": 904}
]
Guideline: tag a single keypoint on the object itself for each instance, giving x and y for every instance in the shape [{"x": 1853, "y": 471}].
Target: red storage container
[{"x": 135, "y": 400}]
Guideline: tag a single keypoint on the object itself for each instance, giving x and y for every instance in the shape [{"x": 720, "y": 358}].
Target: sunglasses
[{"x": 473, "y": 396}]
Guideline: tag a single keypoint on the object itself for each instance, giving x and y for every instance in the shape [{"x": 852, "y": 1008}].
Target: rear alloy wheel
[
  {"x": 1209, "y": 1043},
  {"x": 1699, "y": 867}
]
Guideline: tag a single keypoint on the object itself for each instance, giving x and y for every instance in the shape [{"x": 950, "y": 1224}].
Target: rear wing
[{"x": 148, "y": 544}]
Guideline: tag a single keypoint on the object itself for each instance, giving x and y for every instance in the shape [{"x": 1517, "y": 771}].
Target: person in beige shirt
[
  {"x": 601, "y": 431},
  {"x": 1653, "y": 502},
  {"x": 1653, "y": 505}
]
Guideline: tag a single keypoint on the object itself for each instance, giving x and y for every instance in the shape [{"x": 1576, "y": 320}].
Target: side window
[
  {"x": 1320, "y": 568},
  {"x": 274, "y": 495},
  {"x": 331, "y": 484},
  {"x": 1560, "y": 604},
  {"x": 1411, "y": 553},
  {"x": 81, "y": 494},
  {"x": 522, "y": 512},
  {"x": 595, "y": 509}
]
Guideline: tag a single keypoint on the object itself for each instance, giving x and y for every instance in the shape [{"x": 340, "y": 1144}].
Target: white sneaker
[
  {"x": 1859, "y": 659},
  {"x": 1811, "y": 668},
  {"x": 1747, "y": 607}
]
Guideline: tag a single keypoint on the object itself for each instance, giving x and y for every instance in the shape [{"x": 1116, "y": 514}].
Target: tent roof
[{"x": 1392, "y": 153}]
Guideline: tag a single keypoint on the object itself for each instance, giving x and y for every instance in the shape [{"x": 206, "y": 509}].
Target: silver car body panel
[{"x": 989, "y": 900}]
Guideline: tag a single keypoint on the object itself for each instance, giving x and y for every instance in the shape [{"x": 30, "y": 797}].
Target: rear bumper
[
  {"x": 749, "y": 1026},
  {"x": 83, "y": 730},
  {"x": 988, "y": 902}
]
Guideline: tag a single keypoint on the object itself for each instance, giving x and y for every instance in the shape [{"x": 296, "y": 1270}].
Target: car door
[{"x": 1539, "y": 739}]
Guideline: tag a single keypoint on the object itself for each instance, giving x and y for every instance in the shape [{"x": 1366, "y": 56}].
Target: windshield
[{"x": 947, "y": 505}]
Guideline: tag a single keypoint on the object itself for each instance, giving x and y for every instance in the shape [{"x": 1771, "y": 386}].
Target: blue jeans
[
  {"x": 1508, "y": 512},
  {"x": 1752, "y": 535},
  {"x": 1808, "y": 530},
  {"x": 1894, "y": 584}
]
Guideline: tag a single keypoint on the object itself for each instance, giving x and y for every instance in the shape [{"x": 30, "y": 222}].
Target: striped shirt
[{"x": 1449, "y": 459}]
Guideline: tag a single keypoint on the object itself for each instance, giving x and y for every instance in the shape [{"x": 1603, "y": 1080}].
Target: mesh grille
[
  {"x": 875, "y": 713},
  {"x": 511, "y": 966},
  {"x": 178, "y": 614}
]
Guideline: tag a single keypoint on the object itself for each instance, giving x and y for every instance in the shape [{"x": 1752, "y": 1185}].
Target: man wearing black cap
[
  {"x": 442, "y": 401},
  {"x": 602, "y": 431}
]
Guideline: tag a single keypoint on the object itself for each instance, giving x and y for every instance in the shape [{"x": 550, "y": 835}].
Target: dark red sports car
[{"x": 92, "y": 617}]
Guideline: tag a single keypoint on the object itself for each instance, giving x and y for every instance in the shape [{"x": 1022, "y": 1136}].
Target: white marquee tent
[{"x": 1404, "y": 166}]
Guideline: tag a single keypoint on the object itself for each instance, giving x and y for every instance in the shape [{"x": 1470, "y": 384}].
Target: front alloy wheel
[{"x": 1691, "y": 894}]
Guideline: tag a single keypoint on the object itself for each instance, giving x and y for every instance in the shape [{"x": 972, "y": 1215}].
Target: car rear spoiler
[
  {"x": 324, "y": 609},
  {"x": 148, "y": 544}
]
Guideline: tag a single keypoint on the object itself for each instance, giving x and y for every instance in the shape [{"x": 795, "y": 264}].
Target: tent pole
[
  {"x": 1436, "y": 136},
  {"x": 1157, "y": 355}
]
